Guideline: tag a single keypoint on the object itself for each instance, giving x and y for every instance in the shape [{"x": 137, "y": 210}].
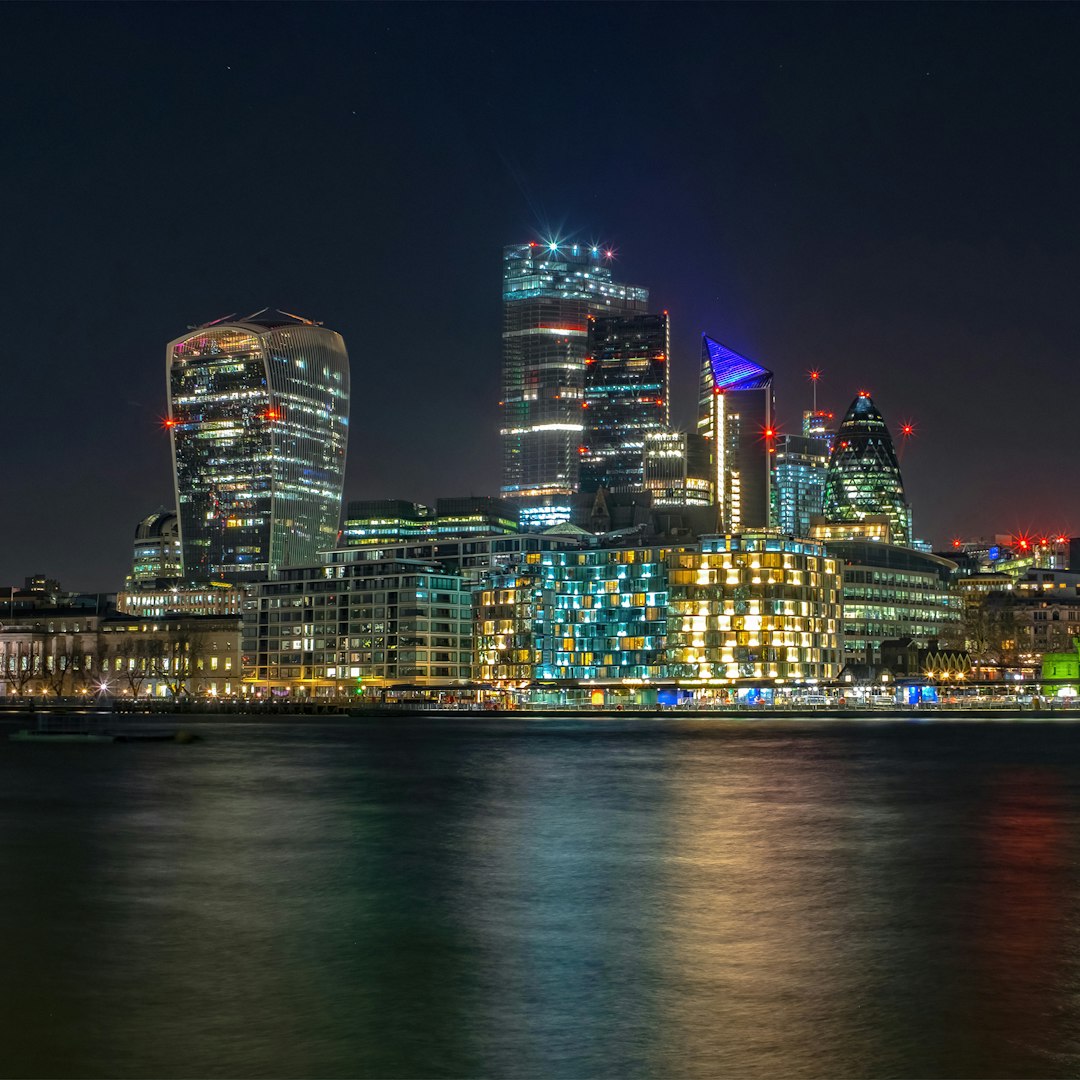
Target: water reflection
[{"x": 561, "y": 900}]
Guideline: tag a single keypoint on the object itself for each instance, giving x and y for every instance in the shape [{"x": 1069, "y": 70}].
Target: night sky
[{"x": 886, "y": 192}]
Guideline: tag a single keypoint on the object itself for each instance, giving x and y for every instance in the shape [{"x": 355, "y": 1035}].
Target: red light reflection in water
[{"x": 1020, "y": 930}]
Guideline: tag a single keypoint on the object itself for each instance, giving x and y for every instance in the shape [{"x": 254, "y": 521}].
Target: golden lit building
[{"x": 755, "y": 606}]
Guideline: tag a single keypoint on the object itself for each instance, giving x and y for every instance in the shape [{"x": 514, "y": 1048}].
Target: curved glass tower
[
  {"x": 863, "y": 476},
  {"x": 258, "y": 413}
]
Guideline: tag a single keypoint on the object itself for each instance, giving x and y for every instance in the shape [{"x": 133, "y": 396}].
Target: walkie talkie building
[{"x": 258, "y": 414}]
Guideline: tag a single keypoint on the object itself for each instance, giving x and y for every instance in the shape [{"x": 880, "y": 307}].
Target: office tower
[
  {"x": 678, "y": 469},
  {"x": 799, "y": 482},
  {"x": 736, "y": 412},
  {"x": 157, "y": 554},
  {"x": 863, "y": 476},
  {"x": 549, "y": 292},
  {"x": 258, "y": 413},
  {"x": 818, "y": 425},
  {"x": 626, "y": 398}
]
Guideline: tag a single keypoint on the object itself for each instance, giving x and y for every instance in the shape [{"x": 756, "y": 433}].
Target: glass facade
[
  {"x": 549, "y": 292},
  {"x": 381, "y": 521},
  {"x": 258, "y": 413},
  {"x": 678, "y": 469},
  {"x": 331, "y": 630},
  {"x": 626, "y": 398},
  {"x": 799, "y": 482},
  {"x": 893, "y": 592},
  {"x": 157, "y": 555},
  {"x": 508, "y": 609},
  {"x": 863, "y": 476},
  {"x": 734, "y": 609},
  {"x": 474, "y": 557},
  {"x": 735, "y": 412},
  {"x": 757, "y": 606},
  {"x": 604, "y": 614}
]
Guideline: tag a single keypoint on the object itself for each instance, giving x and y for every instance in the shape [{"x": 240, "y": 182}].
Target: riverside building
[
  {"x": 892, "y": 592},
  {"x": 258, "y": 415},
  {"x": 752, "y": 607},
  {"x": 549, "y": 292},
  {"x": 735, "y": 611},
  {"x": 332, "y": 630}
]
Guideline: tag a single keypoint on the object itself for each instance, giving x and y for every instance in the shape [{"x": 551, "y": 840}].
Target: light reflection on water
[{"x": 544, "y": 899}]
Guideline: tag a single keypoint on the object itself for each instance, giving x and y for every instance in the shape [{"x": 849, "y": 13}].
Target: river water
[{"x": 571, "y": 898}]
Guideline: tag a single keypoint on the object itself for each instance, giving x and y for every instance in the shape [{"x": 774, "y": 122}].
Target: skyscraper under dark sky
[
  {"x": 258, "y": 413},
  {"x": 626, "y": 397},
  {"x": 863, "y": 476},
  {"x": 549, "y": 292},
  {"x": 735, "y": 412}
]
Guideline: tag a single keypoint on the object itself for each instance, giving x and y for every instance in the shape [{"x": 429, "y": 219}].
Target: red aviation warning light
[{"x": 956, "y": 542}]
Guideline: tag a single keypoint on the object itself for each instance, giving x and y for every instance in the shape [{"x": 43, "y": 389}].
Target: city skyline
[{"x": 807, "y": 221}]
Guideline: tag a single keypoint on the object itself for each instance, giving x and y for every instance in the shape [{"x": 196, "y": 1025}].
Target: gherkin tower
[{"x": 863, "y": 476}]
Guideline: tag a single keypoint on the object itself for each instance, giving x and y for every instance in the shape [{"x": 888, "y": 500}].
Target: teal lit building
[
  {"x": 604, "y": 614},
  {"x": 258, "y": 415},
  {"x": 798, "y": 482},
  {"x": 863, "y": 477}
]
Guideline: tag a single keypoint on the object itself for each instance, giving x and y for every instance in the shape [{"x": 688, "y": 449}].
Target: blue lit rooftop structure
[{"x": 732, "y": 371}]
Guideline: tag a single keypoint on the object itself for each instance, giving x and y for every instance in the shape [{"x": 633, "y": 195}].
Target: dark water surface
[{"x": 429, "y": 898}]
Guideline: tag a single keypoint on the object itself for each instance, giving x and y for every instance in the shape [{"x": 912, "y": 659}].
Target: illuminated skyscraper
[
  {"x": 678, "y": 469},
  {"x": 549, "y": 292},
  {"x": 735, "y": 412},
  {"x": 863, "y": 477},
  {"x": 799, "y": 482},
  {"x": 258, "y": 413},
  {"x": 626, "y": 398}
]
